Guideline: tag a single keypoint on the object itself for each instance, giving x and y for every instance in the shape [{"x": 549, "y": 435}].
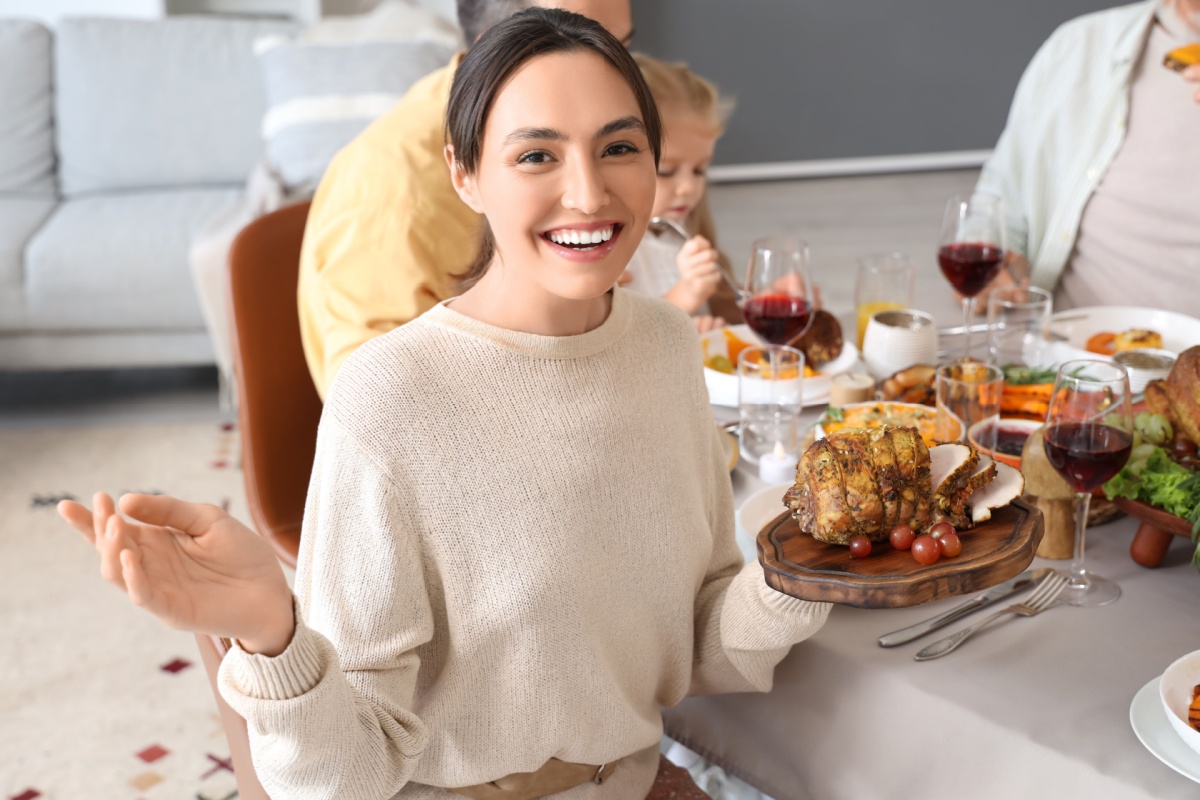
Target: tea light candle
[{"x": 777, "y": 466}]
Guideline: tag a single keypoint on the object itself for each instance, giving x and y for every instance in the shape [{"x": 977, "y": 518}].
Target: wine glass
[
  {"x": 1088, "y": 438},
  {"x": 971, "y": 248},
  {"x": 775, "y": 300}
]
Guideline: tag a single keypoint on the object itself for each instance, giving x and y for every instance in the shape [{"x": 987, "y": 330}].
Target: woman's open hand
[{"x": 192, "y": 566}]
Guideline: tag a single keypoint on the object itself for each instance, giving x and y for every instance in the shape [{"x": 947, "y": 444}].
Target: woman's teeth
[{"x": 581, "y": 239}]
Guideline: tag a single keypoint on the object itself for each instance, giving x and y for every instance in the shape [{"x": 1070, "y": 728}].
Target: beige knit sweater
[{"x": 515, "y": 547}]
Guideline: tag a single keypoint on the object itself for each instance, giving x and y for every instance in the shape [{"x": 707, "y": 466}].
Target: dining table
[{"x": 1033, "y": 707}]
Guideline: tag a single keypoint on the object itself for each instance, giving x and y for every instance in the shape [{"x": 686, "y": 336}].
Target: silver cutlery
[
  {"x": 999, "y": 592},
  {"x": 1042, "y": 598}
]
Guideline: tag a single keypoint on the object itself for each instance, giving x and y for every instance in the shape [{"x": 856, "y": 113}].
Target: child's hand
[
  {"x": 191, "y": 565},
  {"x": 699, "y": 274}
]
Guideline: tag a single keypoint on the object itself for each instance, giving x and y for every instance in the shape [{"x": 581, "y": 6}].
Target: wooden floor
[{"x": 840, "y": 218}]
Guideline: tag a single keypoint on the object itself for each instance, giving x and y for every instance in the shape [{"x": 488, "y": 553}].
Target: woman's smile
[{"x": 583, "y": 242}]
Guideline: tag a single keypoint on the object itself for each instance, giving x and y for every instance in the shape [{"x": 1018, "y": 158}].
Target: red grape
[
  {"x": 950, "y": 544},
  {"x": 925, "y": 550},
  {"x": 860, "y": 546},
  {"x": 901, "y": 537},
  {"x": 941, "y": 529}
]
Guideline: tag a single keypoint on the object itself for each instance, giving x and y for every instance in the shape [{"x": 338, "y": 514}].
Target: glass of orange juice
[{"x": 884, "y": 283}]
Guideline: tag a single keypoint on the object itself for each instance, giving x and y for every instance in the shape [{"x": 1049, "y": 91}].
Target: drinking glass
[
  {"x": 971, "y": 248},
  {"x": 884, "y": 283},
  {"x": 770, "y": 399},
  {"x": 1017, "y": 322},
  {"x": 968, "y": 404},
  {"x": 1088, "y": 438},
  {"x": 776, "y": 298}
]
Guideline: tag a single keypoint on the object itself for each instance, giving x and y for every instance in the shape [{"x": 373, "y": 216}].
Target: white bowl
[
  {"x": 1144, "y": 366},
  {"x": 1175, "y": 691},
  {"x": 723, "y": 388},
  {"x": 1077, "y": 325}
]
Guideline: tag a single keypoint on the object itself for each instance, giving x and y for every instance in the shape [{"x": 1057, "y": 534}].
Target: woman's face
[
  {"x": 688, "y": 145},
  {"x": 565, "y": 175}
]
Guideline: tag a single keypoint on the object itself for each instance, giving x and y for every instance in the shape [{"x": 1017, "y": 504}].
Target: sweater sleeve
[
  {"x": 743, "y": 626},
  {"x": 331, "y": 716}
]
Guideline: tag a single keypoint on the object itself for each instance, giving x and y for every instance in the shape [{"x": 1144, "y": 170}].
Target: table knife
[{"x": 1012, "y": 586}]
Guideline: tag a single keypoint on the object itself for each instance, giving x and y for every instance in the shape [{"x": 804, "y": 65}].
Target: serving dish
[
  {"x": 875, "y": 413},
  {"x": 723, "y": 387},
  {"x": 1175, "y": 693},
  {"x": 992, "y": 552},
  {"x": 1012, "y": 433},
  {"x": 1073, "y": 327},
  {"x": 1153, "y": 730}
]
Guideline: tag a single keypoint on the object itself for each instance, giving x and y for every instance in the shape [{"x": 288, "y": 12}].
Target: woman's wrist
[{"x": 276, "y": 633}]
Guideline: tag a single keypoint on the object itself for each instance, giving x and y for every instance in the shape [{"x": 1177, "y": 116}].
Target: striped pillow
[{"x": 320, "y": 96}]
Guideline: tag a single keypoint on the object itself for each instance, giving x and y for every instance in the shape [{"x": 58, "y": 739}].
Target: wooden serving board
[{"x": 992, "y": 552}]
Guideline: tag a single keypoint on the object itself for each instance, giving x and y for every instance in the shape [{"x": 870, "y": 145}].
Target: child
[
  {"x": 693, "y": 117},
  {"x": 487, "y": 594}
]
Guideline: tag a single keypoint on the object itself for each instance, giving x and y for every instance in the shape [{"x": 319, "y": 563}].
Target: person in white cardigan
[{"x": 518, "y": 543}]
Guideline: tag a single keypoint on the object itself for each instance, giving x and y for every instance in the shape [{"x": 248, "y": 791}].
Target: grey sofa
[{"x": 119, "y": 141}]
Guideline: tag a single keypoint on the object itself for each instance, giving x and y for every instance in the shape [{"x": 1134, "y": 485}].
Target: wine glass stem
[
  {"x": 1083, "y": 501},
  {"x": 966, "y": 304}
]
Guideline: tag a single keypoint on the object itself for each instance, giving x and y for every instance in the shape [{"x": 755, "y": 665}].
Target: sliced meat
[
  {"x": 952, "y": 467},
  {"x": 1007, "y": 486},
  {"x": 831, "y": 518},
  {"x": 913, "y": 463}
]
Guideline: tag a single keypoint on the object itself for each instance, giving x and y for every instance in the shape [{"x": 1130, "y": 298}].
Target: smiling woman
[{"x": 518, "y": 541}]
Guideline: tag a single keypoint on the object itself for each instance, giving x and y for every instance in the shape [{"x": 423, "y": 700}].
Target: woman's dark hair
[{"x": 496, "y": 56}]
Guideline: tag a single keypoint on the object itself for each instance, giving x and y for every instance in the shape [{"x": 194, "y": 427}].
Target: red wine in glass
[
  {"x": 1086, "y": 454},
  {"x": 777, "y": 318},
  {"x": 970, "y": 266}
]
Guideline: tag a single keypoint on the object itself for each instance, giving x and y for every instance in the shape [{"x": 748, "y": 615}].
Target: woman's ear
[{"x": 464, "y": 184}]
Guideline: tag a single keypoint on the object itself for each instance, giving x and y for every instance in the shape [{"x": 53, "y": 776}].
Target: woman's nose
[{"x": 585, "y": 189}]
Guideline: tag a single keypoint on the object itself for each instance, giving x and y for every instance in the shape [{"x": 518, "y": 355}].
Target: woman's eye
[
  {"x": 534, "y": 157},
  {"x": 620, "y": 149}
]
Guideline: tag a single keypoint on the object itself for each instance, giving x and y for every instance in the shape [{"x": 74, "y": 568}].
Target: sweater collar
[{"x": 533, "y": 344}]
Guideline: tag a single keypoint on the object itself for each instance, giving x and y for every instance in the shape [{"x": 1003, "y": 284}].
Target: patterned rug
[{"x": 97, "y": 698}]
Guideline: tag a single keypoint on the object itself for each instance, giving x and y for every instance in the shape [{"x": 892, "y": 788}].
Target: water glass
[
  {"x": 770, "y": 399},
  {"x": 1017, "y": 322},
  {"x": 884, "y": 282},
  {"x": 896, "y": 340},
  {"x": 968, "y": 404}
]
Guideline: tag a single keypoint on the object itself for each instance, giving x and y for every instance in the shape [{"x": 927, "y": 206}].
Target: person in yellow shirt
[{"x": 387, "y": 233}]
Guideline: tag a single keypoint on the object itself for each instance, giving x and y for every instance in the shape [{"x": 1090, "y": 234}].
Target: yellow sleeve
[{"x": 385, "y": 234}]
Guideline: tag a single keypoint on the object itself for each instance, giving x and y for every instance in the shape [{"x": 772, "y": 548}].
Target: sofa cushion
[
  {"x": 158, "y": 103},
  {"x": 26, "y": 109},
  {"x": 120, "y": 261},
  {"x": 20, "y": 218},
  {"x": 320, "y": 96}
]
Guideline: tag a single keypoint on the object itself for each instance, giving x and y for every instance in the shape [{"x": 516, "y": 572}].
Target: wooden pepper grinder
[{"x": 1054, "y": 497}]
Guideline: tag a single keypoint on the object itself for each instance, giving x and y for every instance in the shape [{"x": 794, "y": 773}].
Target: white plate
[
  {"x": 723, "y": 389},
  {"x": 1149, "y": 721},
  {"x": 1179, "y": 331},
  {"x": 757, "y": 510}
]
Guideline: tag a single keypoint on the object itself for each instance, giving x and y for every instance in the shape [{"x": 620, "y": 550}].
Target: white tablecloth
[{"x": 1031, "y": 708}]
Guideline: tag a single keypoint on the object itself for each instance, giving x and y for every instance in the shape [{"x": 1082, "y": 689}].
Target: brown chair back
[{"x": 278, "y": 406}]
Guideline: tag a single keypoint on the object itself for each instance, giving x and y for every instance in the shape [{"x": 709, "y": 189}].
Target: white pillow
[{"x": 326, "y": 85}]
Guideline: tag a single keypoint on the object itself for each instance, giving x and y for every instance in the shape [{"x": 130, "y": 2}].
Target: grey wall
[{"x": 817, "y": 79}]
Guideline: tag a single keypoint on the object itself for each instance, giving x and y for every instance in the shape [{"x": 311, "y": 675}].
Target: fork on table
[{"x": 1041, "y": 599}]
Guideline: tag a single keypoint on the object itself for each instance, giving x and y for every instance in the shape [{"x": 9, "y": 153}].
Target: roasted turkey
[
  {"x": 862, "y": 481},
  {"x": 867, "y": 481}
]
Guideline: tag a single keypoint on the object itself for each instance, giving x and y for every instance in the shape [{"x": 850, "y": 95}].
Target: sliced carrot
[{"x": 1104, "y": 343}]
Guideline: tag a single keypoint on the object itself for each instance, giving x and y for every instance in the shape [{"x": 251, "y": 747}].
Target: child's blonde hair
[{"x": 679, "y": 92}]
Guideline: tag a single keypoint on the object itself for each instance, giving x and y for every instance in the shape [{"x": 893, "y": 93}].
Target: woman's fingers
[
  {"x": 191, "y": 518},
  {"x": 78, "y": 517},
  {"x": 102, "y": 510},
  {"x": 108, "y": 544},
  {"x": 137, "y": 585}
]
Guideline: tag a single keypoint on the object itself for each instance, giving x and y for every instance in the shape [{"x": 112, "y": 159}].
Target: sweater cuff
[
  {"x": 290, "y": 674},
  {"x": 768, "y": 618}
]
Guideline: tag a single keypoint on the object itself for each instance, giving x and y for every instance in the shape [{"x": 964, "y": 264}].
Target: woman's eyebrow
[{"x": 629, "y": 123}]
